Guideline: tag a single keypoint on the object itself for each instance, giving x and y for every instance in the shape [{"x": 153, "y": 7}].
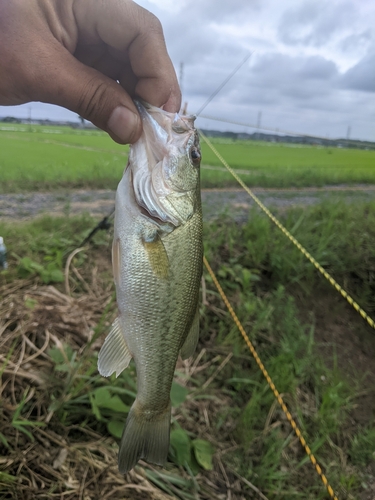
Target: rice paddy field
[
  {"x": 60, "y": 421},
  {"x": 43, "y": 158}
]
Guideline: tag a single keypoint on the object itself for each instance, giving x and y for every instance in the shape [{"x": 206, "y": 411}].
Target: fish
[{"x": 157, "y": 257}]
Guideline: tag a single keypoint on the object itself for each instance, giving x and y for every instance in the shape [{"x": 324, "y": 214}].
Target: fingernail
[{"x": 124, "y": 124}]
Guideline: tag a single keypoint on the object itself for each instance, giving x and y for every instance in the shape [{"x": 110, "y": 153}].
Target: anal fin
[
  {"x": 191, "y": 341},
  {"x": 114, "y": 356}
]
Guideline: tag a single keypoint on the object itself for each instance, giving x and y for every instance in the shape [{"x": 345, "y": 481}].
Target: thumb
[{"x": 94, "y": 96}]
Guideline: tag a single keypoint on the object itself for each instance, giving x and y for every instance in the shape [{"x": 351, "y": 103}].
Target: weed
[
  {"x": 362, "y": 450},
  {"x": 22, "y": 424}
]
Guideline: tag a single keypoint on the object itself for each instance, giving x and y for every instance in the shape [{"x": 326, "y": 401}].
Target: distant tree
[{"x": 11, "y": 119}]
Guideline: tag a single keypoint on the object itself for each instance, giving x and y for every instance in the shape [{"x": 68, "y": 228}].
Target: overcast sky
[{"x": 312, "y": 69}]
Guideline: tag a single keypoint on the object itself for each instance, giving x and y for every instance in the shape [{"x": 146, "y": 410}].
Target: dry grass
[
  {"x": 40, "y": 457},
  {"x": 35, "y": 319}
]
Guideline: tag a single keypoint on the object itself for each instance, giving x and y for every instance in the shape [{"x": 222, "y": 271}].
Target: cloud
[
  {"x": 356, "y": 41},
  {"x": 299, "y": 78},
  {"x": 362, "y": 75},
  {"x": 289, "y": 67},
  {"x": 315, "y": 22}
]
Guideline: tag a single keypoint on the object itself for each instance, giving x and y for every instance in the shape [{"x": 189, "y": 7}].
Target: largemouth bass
[{"x": 157, "y": 264}]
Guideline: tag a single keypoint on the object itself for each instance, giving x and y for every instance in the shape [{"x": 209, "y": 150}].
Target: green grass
[
  {"x": 264, "y": 275},
  {"x": 244, "y": 154},
  {"x": 39, "y": 160},
  {"x": 275, "y": 292},
  {"x": 42, "y": 158},
  {"x": 288, "y": 165}
]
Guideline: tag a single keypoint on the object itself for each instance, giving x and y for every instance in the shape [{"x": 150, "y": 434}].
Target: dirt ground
[{"x": 24, "y": 206}]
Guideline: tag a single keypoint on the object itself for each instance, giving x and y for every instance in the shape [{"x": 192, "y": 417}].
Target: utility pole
[
  {"x": 348, "y": 132},
  {"x": 259, "y": 121},
  {"x": 30, "y": 118}
]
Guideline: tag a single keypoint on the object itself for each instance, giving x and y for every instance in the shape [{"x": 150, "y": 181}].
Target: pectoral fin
[
  {"x": 114, "y": 356},
  {"x": 158, "y": 257},
  {"x": 191, "y": 340}
]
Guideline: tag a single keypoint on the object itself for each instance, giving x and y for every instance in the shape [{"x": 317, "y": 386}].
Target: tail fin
[{"x": 145, "y": 437}]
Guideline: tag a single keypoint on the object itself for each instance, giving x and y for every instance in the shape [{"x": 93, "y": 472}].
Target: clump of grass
[
  {"x": 363, "y": 447},
  {"x": 339, "y": 237}
]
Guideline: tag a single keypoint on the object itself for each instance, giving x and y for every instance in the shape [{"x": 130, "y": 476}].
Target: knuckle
[
  {"x": 155, "y": 24},
  {"x": 92, "y": 101},
  {"x": 152, "y": 23}
]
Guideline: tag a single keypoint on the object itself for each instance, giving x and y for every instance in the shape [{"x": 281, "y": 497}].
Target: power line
[
  {"x": 277, "y": 130},
  {"x": 258, "y": 125}
]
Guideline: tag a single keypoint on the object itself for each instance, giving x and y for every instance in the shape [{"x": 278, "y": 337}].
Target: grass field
[
  {"x": 43, "y": 158},
  {"x": 59, "y": 420},
  {"x": 51, "y": 158}
]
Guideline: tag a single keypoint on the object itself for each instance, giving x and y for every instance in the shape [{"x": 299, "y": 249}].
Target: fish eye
[
  {"x": 179, "y": 129},
  {"x": 195, "y": 154}
]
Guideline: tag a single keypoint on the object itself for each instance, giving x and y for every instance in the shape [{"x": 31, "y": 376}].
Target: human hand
[{"x": 73, "y": 52}]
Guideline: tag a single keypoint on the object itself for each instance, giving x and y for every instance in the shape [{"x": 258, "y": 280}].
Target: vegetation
[
  {"x": 288, "y": 165},
  {"x": 43, "y": 158},
  {"x": 59, "y": 420}
]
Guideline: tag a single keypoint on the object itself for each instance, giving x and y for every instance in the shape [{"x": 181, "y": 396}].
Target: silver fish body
[{"x": 157, "y": 263}]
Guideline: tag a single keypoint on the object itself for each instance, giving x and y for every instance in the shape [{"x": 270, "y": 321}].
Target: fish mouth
[
  {"x": 170, "y": 123},
  {"x": 142, "y": 107}
]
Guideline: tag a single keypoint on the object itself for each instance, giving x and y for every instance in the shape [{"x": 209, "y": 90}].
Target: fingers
[
  {"x": 89, "y": 93},
  {"x": 134, "y": 38},
  {"x": 129, "y": 29}
]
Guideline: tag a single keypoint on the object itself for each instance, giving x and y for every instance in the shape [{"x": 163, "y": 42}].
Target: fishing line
[
  {"x": 237, "y": 68},
  {"x": 295, "y": 242},
  {"x": 271, "y": 384}
]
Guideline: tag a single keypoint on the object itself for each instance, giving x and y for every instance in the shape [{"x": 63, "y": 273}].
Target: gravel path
[{"x": 215, "y": 201}]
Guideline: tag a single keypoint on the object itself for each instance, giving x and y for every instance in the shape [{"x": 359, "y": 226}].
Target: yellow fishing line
[
  {"x": 331, "y": 280},
  {"x": 271, "y": 384}
]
